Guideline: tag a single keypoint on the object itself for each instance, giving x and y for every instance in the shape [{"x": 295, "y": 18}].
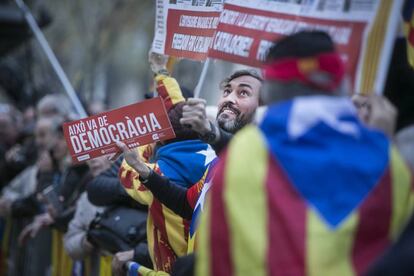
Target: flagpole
[
  {"x": 203, "y": 75},
  {"x": 52, "y": 58}
]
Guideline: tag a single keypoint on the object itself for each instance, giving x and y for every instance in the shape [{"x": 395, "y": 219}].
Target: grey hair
[
  {"x": 55, "y": 122},
  {"x": 58, "y": 103}
]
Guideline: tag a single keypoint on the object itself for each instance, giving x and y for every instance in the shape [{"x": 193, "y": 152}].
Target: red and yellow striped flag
[
  {"x": 169, "y": 91},
  {"x": 259, "y": 222}
]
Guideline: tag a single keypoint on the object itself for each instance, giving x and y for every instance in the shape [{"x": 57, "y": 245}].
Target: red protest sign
[
  {"x": 247, "y": 28},
  {"x": 135, "y": 125},
  {"x": 245, "y": 32},
  {"x": 185, "y": 28}
]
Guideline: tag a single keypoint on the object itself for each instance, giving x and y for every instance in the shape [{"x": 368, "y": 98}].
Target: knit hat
[{"x": 317, "y": 64}]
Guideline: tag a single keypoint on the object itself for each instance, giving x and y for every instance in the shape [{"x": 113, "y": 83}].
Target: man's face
[
  {"x": 238, "y": 103},
  {"x": 49, "y": 140}
]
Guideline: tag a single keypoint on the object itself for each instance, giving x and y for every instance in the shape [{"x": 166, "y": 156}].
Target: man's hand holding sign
[
  {"x": 137, "y": 124},
  {"x": 134, "y": 160}
]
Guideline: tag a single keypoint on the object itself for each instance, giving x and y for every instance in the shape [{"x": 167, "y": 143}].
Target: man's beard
[{"x": 233, "y": 125}]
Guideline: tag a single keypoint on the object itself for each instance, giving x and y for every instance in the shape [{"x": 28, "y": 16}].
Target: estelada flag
[
  {"x": 408, "y": 15},
  {"x": 308, "y": 192}
]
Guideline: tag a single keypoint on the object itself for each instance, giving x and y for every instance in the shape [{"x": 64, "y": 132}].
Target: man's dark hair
[
  {"x": 240, "y": 73},
  {"x": 302, "y": 44}
]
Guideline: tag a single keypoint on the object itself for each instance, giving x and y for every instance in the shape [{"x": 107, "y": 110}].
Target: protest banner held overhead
[
  {"x": 185, "y": 28},
  {"x": 363, "y": 32},
  {"x": 135, "y": 125}
]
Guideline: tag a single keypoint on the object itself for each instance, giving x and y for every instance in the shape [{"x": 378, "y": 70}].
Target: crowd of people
[{"x": 292, "y": 176}]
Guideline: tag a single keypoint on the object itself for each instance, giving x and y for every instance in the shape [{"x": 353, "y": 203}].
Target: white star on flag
[
  {"x": 209, "y": 153},
  {"x": 307, "y": 112}
]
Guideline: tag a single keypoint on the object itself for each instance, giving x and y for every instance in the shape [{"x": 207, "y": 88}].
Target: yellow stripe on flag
[
  {"x": 374, "y": 47},
  {"x": 105, "y": 266},
  {"x": 175, "y": 231},
  {"x": 144, "y": 271},
  {"x": 150, "y": 238},
  {"x": 329, "y": 251},
  {"x": 246, "y": 203},
  {"x": 61, "y": 262},
  {"x": 138, "y": 193},
  {"x": 402, "y": 194},
  {"x": 172, "y": 87},
  {"x": 203, "y": 265}
]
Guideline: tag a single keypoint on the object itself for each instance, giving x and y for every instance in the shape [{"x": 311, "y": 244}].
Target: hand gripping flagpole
[
  {"x": 203, "y": 75},
  {"x": 52, "y": 58}
]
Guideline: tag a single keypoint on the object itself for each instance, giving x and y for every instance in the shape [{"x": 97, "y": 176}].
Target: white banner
[{"x": 184, "y": 28}]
